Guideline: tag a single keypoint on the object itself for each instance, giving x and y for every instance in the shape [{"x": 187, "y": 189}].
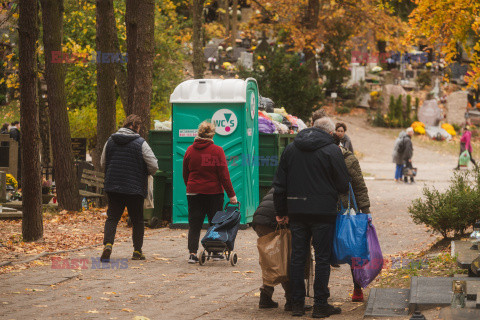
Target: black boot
[
  {"x": 325, "y": 311},
  {"x": 298, "y": 309},
  {"x": 266, "y": 302}
]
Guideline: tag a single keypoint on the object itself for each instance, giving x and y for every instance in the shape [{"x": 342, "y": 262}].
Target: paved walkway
[{"x": 166, "y": 287}]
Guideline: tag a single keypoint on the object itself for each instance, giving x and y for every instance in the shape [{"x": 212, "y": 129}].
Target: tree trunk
[
  {"x": 106, "y": 109},
  {"x": 234, "y": 23},
  {"x": 65, "y": 176},
  {"x": 313, "y": 10},
  {"x": 225, "y": 16},
  {"x": 198, "y": 66},
  {"x": 32, "y": 226},
  {"x": 120, "y": 71},
  {"x": 140, "y": 20}
]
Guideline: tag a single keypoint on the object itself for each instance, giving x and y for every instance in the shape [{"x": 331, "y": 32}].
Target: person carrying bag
[
  {"x": 274, "y": 255},
  {"x": 350, "y": 238}
]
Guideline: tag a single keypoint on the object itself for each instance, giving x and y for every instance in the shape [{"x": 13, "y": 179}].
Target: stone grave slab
[
  {"x": 457, "y": 106},
  {"x": 387, "y": 302},
  {"x": 465, "y": 255},
  {"x": 473, "y": 288},
  {"x": 430, "y": 292},
  {"x": 459, "y": 314},
  {"x": 9, "y": 213}
]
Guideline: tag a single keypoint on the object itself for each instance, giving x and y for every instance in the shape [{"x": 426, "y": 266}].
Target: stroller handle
[{"x": 232, "y": 204}]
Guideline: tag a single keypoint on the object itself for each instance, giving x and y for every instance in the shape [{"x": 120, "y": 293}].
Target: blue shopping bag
[{"x": 350, "y": 238}]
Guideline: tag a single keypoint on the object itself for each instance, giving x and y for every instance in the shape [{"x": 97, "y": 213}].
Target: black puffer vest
[{"x": 125, "y": 170}]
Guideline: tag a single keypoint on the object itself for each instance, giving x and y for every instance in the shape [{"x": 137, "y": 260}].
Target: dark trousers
[
  {"x": 116, "y": 205},
  {"x": 261, "y": 231},
  {"x": 199, "y": 206},
  {"x": 322, "y": 236}
]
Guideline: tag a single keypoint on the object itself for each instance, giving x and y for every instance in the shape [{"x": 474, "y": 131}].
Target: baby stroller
[{"x": 220, "y": 237}]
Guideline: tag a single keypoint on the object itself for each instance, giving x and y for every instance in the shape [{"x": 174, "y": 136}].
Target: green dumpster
[
  {"x": 232, "y": 105},
  {"x": 270, "y": 150},
  {"x": 162, "y": 200},
  {"x": 161, "y": 144}
]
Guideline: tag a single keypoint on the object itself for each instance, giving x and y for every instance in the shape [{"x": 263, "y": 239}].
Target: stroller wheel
[
  {"x": 202, "y": 258},
  {"x": 233, "y": 258}
]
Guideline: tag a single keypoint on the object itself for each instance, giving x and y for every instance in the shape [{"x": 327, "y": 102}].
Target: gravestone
[
  {"x": 387, "y": 302},
  {"x": 464, "y": 254},
  {"x": 429, "y": 113},
  {"x": 457, "y": 106},
  {"x": 363, "y": 101},
  {"x": 391, "y": 90},
  {"x": 459, "y": 314},
  {"x": 430, "y": 292},
  {"x": 427, "y": 292},
  {"x": 79, "y": 148},
  {"x": 458, "y": 71},
  {"x": 3, "y": 187},
  {"x": 246, "y": 60},
  {"x": 357, "y": 75},
  {"x": 8, "y": 155},
  {"x": 237, "y": 53}
]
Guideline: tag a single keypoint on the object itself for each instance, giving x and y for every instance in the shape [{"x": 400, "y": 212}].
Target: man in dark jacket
[
  {"x": 128, "y": 160},
  {"x": 310, "y": 176}
]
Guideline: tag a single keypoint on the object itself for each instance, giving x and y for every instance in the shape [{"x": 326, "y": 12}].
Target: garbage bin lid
[{"x": 211, "y": 90}]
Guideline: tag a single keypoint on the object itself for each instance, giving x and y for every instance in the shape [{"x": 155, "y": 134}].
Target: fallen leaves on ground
[{"x": 62, "y": 231}]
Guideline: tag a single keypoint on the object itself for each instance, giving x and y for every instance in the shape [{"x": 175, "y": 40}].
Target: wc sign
[{"x": 225, "y": 122}]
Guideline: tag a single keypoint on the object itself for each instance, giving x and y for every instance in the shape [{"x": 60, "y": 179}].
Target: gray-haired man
[{"x": 310, "y": 175}]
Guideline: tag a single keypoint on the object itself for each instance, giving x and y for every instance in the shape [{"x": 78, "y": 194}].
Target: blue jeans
[
  {"x": 399, "y": 172},
  {"x": 322, "y": 234}
]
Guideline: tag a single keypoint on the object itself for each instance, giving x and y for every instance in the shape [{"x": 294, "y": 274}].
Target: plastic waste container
[
  {"x": 161, "y": 144},
  {"x": 232, "y": 105},
  {"x": 270, "y": 150}
]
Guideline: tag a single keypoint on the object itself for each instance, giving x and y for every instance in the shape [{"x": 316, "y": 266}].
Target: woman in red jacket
[{"x": 205, "y": 172}]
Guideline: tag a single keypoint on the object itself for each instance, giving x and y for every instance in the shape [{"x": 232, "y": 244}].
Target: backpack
[{"x": 399, "y": 145}]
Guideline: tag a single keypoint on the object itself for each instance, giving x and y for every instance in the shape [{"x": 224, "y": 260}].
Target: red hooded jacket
[{"x": 205, "y": 169}]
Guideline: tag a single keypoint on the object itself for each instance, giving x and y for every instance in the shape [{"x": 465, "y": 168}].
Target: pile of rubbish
[
  {"x": 163, "y": 125},
  {"x": 277, "y": 120}
]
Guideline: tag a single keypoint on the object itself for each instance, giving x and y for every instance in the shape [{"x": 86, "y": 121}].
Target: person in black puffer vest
[{"x": 128, "y": 160}]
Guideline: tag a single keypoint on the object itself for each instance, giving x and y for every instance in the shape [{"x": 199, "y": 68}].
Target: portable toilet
[{"x": 232, "y": 106}]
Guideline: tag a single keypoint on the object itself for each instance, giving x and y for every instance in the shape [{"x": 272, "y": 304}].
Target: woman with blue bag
[{"x": 360, "y": 195}]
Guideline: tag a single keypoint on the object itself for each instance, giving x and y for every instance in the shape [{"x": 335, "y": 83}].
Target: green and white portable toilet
[{"x": 232, "y": 106}]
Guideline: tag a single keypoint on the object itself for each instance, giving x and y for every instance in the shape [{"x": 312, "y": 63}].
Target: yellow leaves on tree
[
  {"x": 308, "y": 24},
  {"x": 448, "y": 24}
]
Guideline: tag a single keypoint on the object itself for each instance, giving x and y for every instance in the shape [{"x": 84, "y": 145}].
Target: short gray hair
[
  {"x": 409, "y": 129},
  {"x": 326, "y": 124}
]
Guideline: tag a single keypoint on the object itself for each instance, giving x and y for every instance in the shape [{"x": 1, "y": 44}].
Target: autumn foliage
[{"x": 450, "y": 25}]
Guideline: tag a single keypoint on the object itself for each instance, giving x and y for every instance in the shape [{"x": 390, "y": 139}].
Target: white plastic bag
[
  {"x": 163, "y": 126},
  {"x": 148, "y": 203}
]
